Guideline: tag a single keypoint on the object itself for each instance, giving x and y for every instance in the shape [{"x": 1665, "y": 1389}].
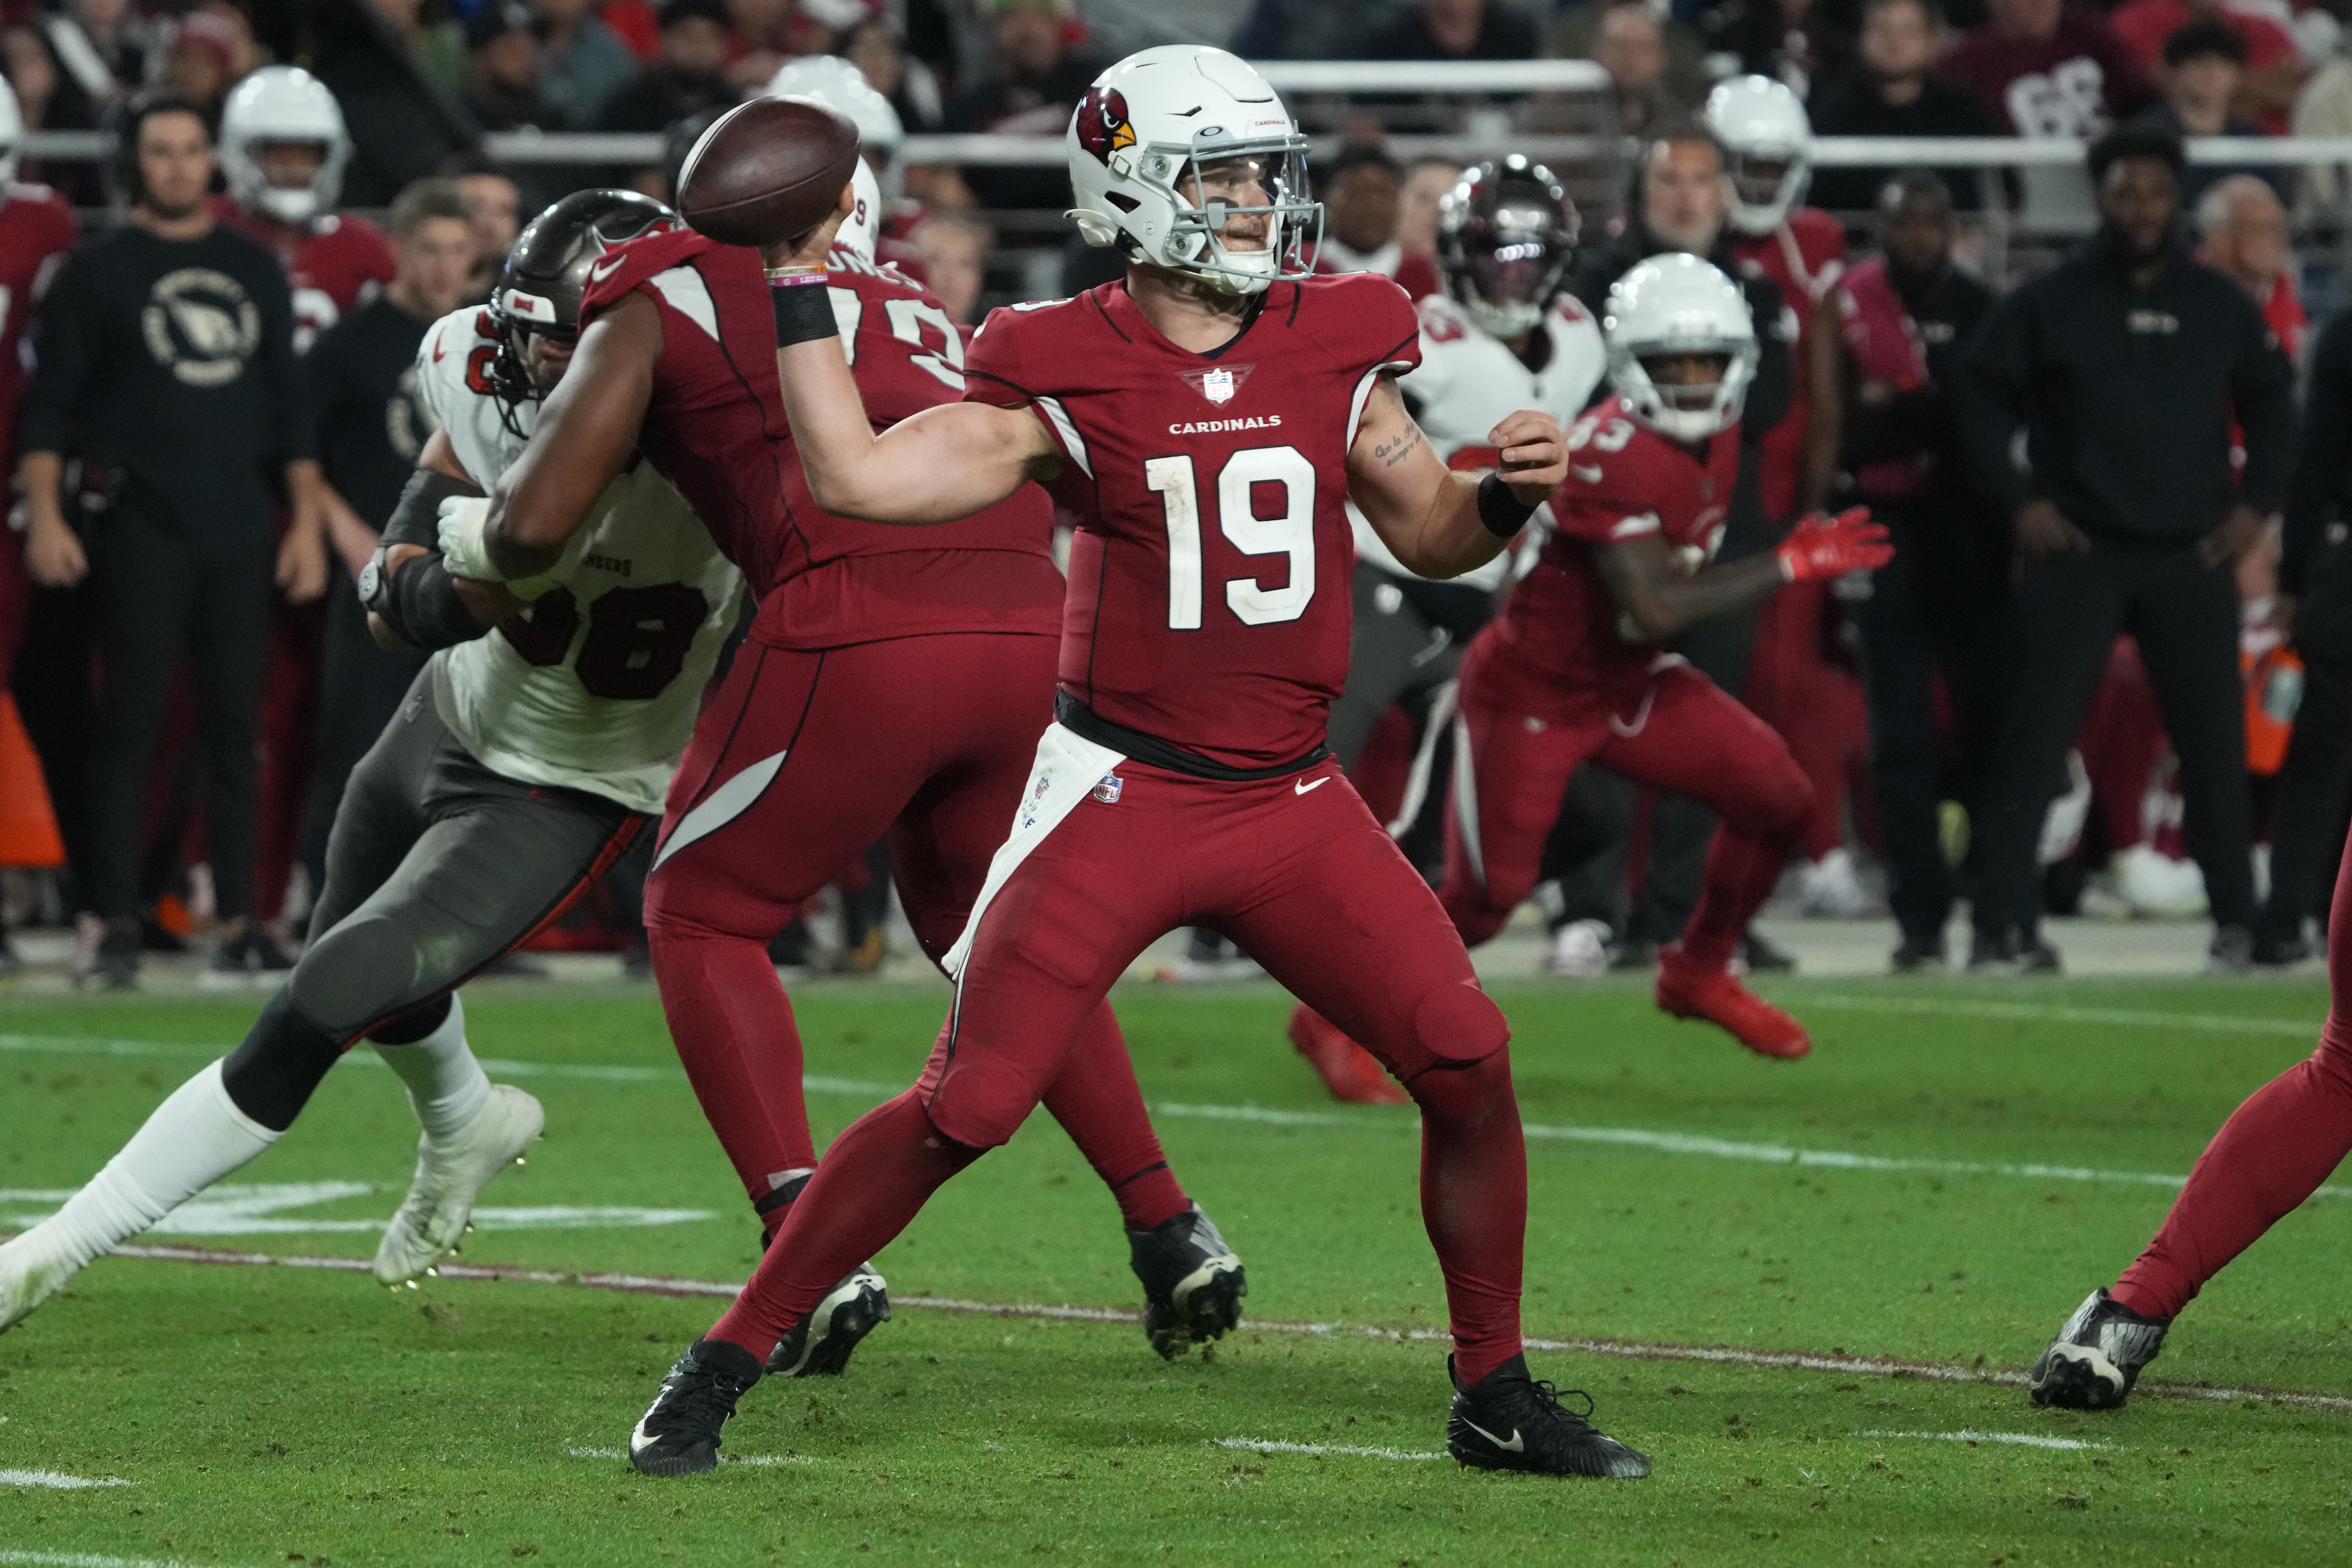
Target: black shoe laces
[
  {"x": 702, "y": 1400},
  {"x": 1547, "y": 1396}
]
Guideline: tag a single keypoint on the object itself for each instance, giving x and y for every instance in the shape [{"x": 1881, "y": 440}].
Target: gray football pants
[{"x": 436, "y": 868}]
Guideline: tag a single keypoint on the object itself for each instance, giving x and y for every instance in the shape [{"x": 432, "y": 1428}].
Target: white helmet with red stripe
[
  {"x": 1767, "y": 144},
  {"x": 1178, "y": 116}
]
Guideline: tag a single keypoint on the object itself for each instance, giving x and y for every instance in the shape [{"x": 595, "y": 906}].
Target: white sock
[
  {"x": 446, "y": 1087},
  {"x": 193, "y": 1139}
]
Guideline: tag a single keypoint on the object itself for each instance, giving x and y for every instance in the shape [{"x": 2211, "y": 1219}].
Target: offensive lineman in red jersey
[
  {"x": 1205, "y": 419},
  {"x": 282, "y": 152},
  {"x": 1572, "y": 672},
  {"x": 893, "y": 683}
]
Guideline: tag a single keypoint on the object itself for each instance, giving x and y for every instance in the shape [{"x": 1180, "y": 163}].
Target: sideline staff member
[
  {"x": 167, "y": 370},
  {"x": 2124, "y": 365}
]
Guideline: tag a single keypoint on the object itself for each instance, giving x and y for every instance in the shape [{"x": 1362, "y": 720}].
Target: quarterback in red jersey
[
  {"x": 1572, "y": 670},
  {"x": 37, "y": 229},
  {"x": 893, "y": 684},
  {"x": 1206, "y": 418}
]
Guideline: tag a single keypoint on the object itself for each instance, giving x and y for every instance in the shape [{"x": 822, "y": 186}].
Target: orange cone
[{"x": 28, "y": 827}]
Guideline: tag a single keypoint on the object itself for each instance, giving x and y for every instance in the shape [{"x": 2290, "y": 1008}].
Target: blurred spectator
[
  {"x": 502, "y": 68},
  {"x": 1594, "y": 31},
  {"x": 48, "y": 100},
  {"x": 2123, "y": 368},
  {"x": 2048, "y": 69},
  {"x": 2314, "y": 609},
  {"x": 913, "y": 88},
  {"x": 953, "y": 249},
  {"x": 167, "y": 377},
  {"x": 1788, "y": 41},
  {"x": 2324, "y": 109},
  {"x": 371, "y": 428},
  {"x": 2273, "y": 68},
  {"x": 2204, "y": 61},
  {"x": 1426, "y": 181},
  {"x": 438, "y": 45},
  {"x": 1455, "y": 30},
  {"x": 2242, "y": 230},
  {"x": 1310, "y": 30},
  {"x": 1897, "y": 93},
  {"x": 1037, "y": 79},
  {"x": 102, "y": 45},
  {"x": 380, "y": 61},
  {"x": 583, "y": 62},
  {"x": 1908, "y": 317},
  {"x": 1629, "y": 44},
  {"x": 686, "y": 79},
  {"x": 493, "y": 202},
  {"x": 636, "y": 23},
  {"x": 209, "y": 51},
  {"x": 764, "y": 34},
  {"x": 1359, "y": 189}
]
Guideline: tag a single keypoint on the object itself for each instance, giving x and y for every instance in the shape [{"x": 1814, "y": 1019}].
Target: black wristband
[
  {"x": 425, "y": 607},
  {"x": 1503, "y": 514},
  {"x": 416, "y": 520},
  {"x": 803, "y": 313}
]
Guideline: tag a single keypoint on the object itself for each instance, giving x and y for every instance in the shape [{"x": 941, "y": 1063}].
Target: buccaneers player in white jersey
[{"x": 1205, "y": 417}]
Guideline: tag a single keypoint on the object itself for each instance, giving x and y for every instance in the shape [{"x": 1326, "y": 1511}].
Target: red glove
[{"x": 1821, "y": 546}]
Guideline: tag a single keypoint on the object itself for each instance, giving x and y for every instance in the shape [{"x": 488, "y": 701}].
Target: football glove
[
  {"x": 1822, "y": 546},
  {"x": 465, "y": 552}
]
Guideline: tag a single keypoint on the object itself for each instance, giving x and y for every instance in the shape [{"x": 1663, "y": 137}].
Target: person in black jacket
[
  {"x": 1897, "y": 93},
  {"x": 1939, "y": 607},
  {"x": 1678, "y": 205},
  {"x": 167, "y": 376},
  {"x": 2125, "y": 366},
  {"x": 2314, "y": 608}
]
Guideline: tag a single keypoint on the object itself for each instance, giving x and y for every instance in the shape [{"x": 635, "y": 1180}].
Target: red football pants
[
  {"x": 1298, "y": 873},
  {"x": 800, "y": 763},
  {"x": 1815, "y": 704},
  {"x": 2271, "y": 1155},
  {"x": 1516, "y": 743}
]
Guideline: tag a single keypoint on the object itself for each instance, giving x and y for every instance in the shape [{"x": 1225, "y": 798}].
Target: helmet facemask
[
  {"x": 1292, "y": 223},
  {"x": 1764, "y": 185},
  {"x": 1674, "y": 407},
  {"x": 295, "y": 204}
]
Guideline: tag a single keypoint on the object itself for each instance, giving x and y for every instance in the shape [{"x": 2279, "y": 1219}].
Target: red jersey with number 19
[
  {"x": 716, "y": 429},
  {"x": 1211, "y": 580},
  {"x": 1624, "y": 480}
]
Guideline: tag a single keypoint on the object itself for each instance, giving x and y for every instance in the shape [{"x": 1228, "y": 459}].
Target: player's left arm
[
  {"x": 1439, "y": 523},
  {"x": 1822, "y": 344},
  {"x": 417, "y": 603},
  {"x": 587, "y": 428},
  {"x": 301, "y": 570}
]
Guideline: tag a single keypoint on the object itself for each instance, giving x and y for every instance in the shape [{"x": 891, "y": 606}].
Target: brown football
[{"x": 767, "y": 171}]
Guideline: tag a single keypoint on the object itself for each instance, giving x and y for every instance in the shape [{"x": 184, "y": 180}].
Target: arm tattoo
[{"x": 1391, "y": 453}]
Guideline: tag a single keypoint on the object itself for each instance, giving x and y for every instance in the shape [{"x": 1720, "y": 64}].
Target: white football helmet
[
  {"x": 835, "y": 82},
  {"x": 1678, "y": 304},
  {"x": 862, "y": 226},
  {"x": 1767, "y": 144},
  {"x": 1150, "y": 124},
  {"x": 12, "y": 132},
  {"x": 282, "y": 104}
]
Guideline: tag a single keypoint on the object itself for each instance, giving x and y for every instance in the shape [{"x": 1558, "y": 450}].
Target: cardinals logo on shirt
[
  {"x": 1103, "y": 125},
  {"x": 201, "y": 326}
]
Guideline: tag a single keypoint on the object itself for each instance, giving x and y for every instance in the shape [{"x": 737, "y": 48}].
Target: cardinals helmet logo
[{"x": 1102, "y": 123}]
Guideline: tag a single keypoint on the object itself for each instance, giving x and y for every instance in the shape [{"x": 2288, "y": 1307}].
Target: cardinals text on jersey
[
  {"x": 1210, "y": 582},
  {"x": 1469, "y": 381},
  {"x": 596, "y": 686}
]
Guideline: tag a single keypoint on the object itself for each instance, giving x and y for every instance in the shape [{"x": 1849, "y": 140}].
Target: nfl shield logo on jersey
[
  {"x": 1107, "y": 791},
  {"x": 1217, "y": 386}
]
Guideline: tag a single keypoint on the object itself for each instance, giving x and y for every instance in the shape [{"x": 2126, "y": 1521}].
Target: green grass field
[{"x": 271, "y": 1414}]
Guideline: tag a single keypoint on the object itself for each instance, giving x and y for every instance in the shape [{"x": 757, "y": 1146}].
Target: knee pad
[
  {"x": 272, "y": 1075},
  {"x": 361, "y": 972},
  {"x": 1457, "y": 1025}
]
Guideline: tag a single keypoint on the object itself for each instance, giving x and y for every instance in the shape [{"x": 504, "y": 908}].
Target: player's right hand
[
  {"x": 464, "y": 550},
  {"x": 54, "y": 555},
  {"x": 813, "y": 248},
  {"x": 1822, "y": 547}
]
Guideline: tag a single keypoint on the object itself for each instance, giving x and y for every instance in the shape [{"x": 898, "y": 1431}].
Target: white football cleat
[
  {"x": 1578, "y": 951},
  {"x": 449, "y": 1175},
  {"x": 29, "y": 1275},
  {"x": 1831, "y": 887}
]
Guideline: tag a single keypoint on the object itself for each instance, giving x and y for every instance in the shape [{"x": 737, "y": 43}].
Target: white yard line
[
  {"x": 54, "y": 1481},
  {"x": 1269, "y": 1446},
  {"x": 756, "y": 1460},
  {"x": 12, "y": 1559},
  {"x": 2020, "y": 1439},
  {"x": 2059, "y": 1012}
]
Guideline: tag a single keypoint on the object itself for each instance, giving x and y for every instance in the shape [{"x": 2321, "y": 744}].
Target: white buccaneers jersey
[
  {"x": 596, "y": 685},
  {"x": 1468, "y": 383}
]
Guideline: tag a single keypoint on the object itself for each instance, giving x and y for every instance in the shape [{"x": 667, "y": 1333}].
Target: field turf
[{"x": 2012, "y": 1143}]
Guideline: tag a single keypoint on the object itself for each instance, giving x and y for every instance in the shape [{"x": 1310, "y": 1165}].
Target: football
[{"x": 767, "y": 171}]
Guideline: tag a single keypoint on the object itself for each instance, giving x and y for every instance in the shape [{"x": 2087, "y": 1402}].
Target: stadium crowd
[{"x": 2102, "y": 679}]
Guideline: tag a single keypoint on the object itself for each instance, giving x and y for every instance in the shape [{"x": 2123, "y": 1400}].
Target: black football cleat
[
  {"x": 1193, "y": 1282},
  {"x": 1511, "y": 1422},
  {"x": 819, "y": 1346},
  {"x": 2096, "y": 1357},
  {"x": 679, "y": 1434}
]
